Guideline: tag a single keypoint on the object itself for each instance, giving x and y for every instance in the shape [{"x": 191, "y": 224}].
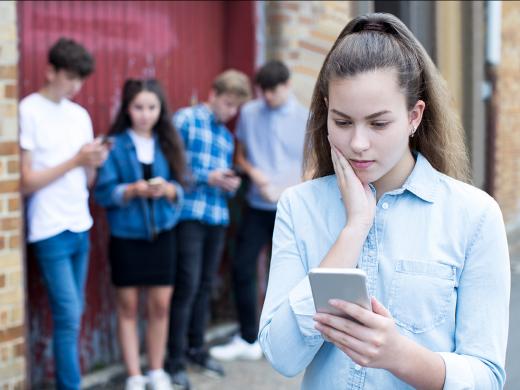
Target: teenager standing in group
[
  {"x": 139, "y": 187},
  {"x": 270, "y": 134},
  {"x": 204, "y": 219},
  {"x": 59, "y": 157},
  {"x": 386, "y": 151}
]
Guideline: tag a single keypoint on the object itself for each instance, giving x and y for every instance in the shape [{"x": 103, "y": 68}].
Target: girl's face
[
  {"x": 144, "y": 111},
  {"x": 369, "y": 123}
]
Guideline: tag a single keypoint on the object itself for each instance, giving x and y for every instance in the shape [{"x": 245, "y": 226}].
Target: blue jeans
[{"x": 63, "y": 261}]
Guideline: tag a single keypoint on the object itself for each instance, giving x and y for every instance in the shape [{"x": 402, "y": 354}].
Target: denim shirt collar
[{"x": 424, "y": 179}]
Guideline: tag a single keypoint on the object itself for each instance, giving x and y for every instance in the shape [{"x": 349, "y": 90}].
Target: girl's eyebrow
[{"x": 371, "y": 116}]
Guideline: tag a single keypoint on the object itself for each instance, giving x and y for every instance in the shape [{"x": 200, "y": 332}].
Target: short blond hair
[{"x": 233, "y": 82}]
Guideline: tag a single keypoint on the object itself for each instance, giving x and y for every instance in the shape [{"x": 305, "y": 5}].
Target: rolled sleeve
[
  {"x": 118, "y": 195},
  {"x": 459, "y": 375},
  {"x": 287, "y": 333},
  {"x": 302, "y": 305}
]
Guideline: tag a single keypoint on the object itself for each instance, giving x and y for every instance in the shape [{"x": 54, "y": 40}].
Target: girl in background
[{"x": 139, "y": 187}]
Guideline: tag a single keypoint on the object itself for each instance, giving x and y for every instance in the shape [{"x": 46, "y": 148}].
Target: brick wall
[
  {"x": 300, "y": 33},
  {"x": 12, "y": 300},
  {"x": 507, "y": 169}
]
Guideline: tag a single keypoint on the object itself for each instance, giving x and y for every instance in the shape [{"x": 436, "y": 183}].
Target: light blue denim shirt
[{"x": 436, "y": 257}]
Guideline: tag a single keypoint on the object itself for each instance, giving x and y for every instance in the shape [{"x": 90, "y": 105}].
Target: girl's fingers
[
  {"x": 341, "y": 339},
  {"x": 356, "y": 357},
  {"x": 344, "y": 325},
  {"x": 340, "y": 175}
]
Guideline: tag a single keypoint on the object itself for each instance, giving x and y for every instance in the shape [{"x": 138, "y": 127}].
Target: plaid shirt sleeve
[
  {"x": 185, "y": 122},
  {"x": 209, "y": 146}
]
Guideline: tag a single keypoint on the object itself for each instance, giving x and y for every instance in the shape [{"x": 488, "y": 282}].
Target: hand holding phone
[
  {"x": 348, "y": 284},
  {"x": 155, "y": 181}
]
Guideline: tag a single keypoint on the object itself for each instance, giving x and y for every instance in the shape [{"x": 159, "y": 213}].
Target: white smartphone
[
  {"x": 155, "y": 181},
  {"x": 348, "y": 284}
]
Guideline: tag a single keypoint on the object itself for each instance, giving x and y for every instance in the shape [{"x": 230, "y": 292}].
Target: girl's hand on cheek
[{"x": 358, "y": 198}]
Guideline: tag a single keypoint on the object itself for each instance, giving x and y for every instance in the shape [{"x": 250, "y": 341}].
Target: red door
[{"x": 184, "y": 45}]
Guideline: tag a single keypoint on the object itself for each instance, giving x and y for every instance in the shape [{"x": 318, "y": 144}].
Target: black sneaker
[
  {"x": 179, "y": 378},
  {"x": 205, "y": 364}
]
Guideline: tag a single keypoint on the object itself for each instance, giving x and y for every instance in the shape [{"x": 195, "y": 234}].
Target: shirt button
[
  {"x": 357, "y": 367},
  {"x": 384, "y": 206}
]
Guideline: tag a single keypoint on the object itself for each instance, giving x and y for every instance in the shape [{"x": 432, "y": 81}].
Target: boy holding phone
[
  {"x": 59, "y": 159},
  {"x": 204, "y": 219},
  {"x": 270, "y": 134}
]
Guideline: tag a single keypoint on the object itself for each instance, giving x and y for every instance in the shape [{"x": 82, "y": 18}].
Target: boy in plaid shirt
[{"x": 204, "y": 218}]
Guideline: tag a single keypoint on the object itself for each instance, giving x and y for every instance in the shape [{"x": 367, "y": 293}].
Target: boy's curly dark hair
[{"x": 71, "y": 56}]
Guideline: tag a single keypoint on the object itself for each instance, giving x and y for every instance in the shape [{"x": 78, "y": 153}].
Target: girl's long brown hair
[
  {"x": 379, "y": 41},
  {"x": 169, "y": 140}
]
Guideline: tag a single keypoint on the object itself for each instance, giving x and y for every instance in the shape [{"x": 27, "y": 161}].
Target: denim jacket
[
  {"x": 436, "y": 257},
  {"x": 138, "y": 218}
]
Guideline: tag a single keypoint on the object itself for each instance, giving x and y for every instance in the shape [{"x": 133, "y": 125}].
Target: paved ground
[{"x": 239, "y": 375}]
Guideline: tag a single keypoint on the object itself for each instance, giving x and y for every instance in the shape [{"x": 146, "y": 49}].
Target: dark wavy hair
[
  {"x": 69, "y": 55},
  {"x": 169, "y": 139}
]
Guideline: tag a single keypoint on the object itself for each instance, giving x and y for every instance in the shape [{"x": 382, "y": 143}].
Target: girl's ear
[
  {"x": 416, "y": 114},
  {"x": 326, "y": 101}
]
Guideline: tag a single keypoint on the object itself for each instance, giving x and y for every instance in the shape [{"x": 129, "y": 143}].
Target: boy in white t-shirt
[{"x": 59, "y": 158}]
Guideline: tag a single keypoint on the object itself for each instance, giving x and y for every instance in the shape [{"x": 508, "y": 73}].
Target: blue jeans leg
[{"x": 63, "y": 261}]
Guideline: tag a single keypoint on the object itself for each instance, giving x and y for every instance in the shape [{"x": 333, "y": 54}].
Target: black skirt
[{"x": 136, "y": 263}]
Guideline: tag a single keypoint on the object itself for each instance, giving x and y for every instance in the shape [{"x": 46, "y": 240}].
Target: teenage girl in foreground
[{"x": 387, "y": 154}]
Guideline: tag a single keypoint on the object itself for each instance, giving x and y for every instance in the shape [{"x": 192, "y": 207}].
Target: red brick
[
  {"x": 14, "y": 241},
  {"x": 313, "y": 48},
  {"x": 13, "y": 204},
  {"x": 11, "y": 92},
  {"x": 8, "y": 72},
  {"x": 2, "y": 242},
  {"x": 11, "y": 333},
  {"x": 13, "y": 166},
  {"x": 20, "y": 385},
  {"x": 19, "y": 349},
  {"x": 9, "y": 186},
  {"x": 2, "y": 280},
  {"x": 9, "y": 148},
  {"x": 10, "y": 223}
]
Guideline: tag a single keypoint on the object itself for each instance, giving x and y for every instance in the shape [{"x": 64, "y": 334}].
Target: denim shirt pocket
[{"x": 421, "y": 293}]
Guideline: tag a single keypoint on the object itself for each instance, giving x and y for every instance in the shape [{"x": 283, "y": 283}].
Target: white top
[
  {"x": 144, "y": 147},
  {"x": 53, "y": 133}
]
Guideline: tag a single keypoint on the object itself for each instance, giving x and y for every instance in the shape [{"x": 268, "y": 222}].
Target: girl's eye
[
  {"x": 379, "y": 125},
  {"x": 342, "y": 123}
]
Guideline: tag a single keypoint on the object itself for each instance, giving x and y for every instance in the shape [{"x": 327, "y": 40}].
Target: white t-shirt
[
  {"x": 53, "y": 133},
  {"x": 144, "y": 147}
]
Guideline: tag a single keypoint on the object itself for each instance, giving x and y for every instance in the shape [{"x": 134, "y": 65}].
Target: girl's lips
[{"x": 361, "y": 164}]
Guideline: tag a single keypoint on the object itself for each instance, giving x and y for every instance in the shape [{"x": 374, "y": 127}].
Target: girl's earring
[{"x": 412, "y": 132}]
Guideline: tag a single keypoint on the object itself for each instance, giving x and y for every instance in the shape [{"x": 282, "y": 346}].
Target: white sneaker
[
  {"x": 159, "y": 380},
  {"x": 136, "y": 382},
  {"x": 237, "y": 348}
]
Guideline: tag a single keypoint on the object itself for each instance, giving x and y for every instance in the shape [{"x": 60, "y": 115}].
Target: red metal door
[{"x": 183, "y": 44}]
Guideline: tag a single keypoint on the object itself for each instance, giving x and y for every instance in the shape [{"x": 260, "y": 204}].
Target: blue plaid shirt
[{"x": 209, "y": 146}]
